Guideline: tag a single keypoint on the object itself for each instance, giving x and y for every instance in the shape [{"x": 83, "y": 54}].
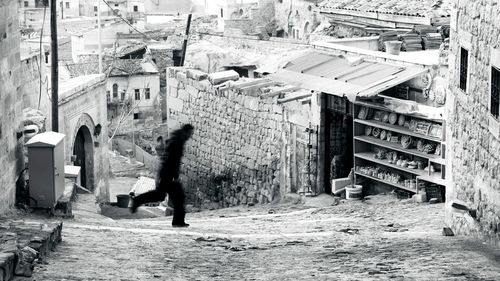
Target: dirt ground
[{"x": 380, "y": 239}]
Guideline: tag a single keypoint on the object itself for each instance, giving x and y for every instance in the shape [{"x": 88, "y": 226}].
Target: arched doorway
[
  {"x": 83, "y": 150},
  {"x": 306, "y": 29}
]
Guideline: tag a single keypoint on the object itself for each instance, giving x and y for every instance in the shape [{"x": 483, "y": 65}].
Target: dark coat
[{"x": 171, "y": 159}]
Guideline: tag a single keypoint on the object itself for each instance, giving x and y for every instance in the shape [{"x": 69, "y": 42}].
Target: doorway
[
  {"x": 339, "y": 147},
  {"x": 84, "y": 157}
]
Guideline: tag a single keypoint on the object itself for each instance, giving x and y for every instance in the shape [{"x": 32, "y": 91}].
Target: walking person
[{"x": 168, "y": 177}]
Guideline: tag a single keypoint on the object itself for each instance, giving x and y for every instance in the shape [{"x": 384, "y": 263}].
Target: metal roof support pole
[{"x": 184, "y": 44}]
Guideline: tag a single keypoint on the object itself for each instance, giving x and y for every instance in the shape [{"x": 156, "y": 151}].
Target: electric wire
[{"x": 41, "y": 51}]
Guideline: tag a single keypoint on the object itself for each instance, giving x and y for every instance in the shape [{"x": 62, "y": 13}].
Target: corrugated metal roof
[
  {"x": 338, "y": 76},
  {"x": 338, "y": 68}
]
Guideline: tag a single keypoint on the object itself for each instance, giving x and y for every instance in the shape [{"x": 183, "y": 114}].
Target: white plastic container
[{"x": 353, "y": 192}]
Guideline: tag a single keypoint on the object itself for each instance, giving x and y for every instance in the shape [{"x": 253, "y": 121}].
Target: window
[
  {"x": 95, "y": 8},
  {"x": 147, "y": 93},
  {"x": 495, "y": 92},
  {"x": 116, "y": 5},
  {"x": 136, "y": 9},
  {"x": 137, "y": 94},
  {"x": 26, "y": 4},
  {"x": 123, "y": 95},
  {"x": 137, "y": 116},
  {"x": 67, "y": 5},
  {"x": 221, "y": 13},
  {"x": 108, "y": 96},
  {"x": 115, "y": 91},
  {"x": 464, "y": 65}
]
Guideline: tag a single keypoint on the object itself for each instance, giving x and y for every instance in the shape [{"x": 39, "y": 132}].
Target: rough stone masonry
[
  {"x": 472, "y": 137},
  {"x": 10, "y": 103},
  {"x": 234, "y": 155}
]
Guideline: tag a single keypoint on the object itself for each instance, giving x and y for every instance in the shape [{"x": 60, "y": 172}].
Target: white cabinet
[{"x": 46, "y": 169}]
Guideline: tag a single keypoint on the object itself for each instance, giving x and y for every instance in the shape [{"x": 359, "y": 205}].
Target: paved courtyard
[{"x": 379, "y": 239}]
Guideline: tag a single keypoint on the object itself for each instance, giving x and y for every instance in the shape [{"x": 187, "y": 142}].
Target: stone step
[
  {"x": 63, "y": 206},
  {"x": 24, "y": 242},
  {"x": 7, "y": 266}
]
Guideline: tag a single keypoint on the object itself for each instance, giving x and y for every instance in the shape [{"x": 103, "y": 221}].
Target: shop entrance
[{"x": 338, "y": 139}]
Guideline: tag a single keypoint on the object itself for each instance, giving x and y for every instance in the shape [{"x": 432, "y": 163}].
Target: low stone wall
[
  {"x": 234, "y": 156},
  {"x": 150, "y": 161},
  {"x": 24, "y": 243}
]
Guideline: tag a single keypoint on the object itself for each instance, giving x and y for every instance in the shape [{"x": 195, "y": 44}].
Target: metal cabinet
[{"x": 46, "y": 169}]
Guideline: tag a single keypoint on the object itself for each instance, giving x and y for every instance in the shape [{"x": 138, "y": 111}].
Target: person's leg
[
  {"x": 178, "y": 199},
  {"x": 148, "y": 197}
]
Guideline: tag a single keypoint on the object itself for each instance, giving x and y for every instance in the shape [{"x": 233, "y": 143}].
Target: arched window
[{"x": 115, "y": 91}]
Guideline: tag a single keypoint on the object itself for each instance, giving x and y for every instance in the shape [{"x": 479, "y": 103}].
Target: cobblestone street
[{"x": 382, "y": 238}]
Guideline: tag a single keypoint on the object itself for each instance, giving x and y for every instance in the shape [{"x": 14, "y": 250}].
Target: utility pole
[
  {"x": 54, "y": 69},
  {"x": 184, "y": 44},
  {"x": 99, "y": 35}
]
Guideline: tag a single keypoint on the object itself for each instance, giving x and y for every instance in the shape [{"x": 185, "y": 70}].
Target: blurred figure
[{"x": 168, "y": 177}]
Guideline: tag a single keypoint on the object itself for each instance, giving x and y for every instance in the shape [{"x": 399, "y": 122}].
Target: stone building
[
  {"x": 473, "y": 123},
  {"x": 134, "y": 84},
  {"x": 83, "y": 119},
  {"x": 10, "y": 103},
  {"x": 171, "y": 7},
  {"x": 296, "y": 19}
]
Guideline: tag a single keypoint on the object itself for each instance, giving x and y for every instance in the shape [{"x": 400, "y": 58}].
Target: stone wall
[
  {"x": 239, "y": 149},
  {"x": 239, "y": 26},
  {"x": 34, "y": 74},
  {"x": 473, "y": 140},
  {"x": 10, "y": 103}
]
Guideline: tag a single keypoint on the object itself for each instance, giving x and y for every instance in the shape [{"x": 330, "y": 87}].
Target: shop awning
[{"x": 340, "y": 76}]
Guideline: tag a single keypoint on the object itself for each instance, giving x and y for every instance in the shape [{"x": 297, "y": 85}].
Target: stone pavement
[{"x": 379, "y": 239}]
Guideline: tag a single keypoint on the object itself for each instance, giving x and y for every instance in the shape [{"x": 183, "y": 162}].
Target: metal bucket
[{"x": 122, "y": 200}]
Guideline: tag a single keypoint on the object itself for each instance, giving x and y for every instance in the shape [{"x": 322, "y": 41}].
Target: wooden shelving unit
[{"x": 366, "y": 146}]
